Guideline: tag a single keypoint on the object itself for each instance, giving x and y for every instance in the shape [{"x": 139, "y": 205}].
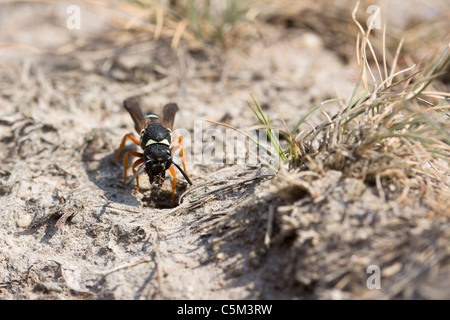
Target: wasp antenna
[
  {"x": 138, "y": 172},
  {"x": 183, "y": 173}
]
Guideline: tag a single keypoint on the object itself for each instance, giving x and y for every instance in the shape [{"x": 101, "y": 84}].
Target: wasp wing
[
  {"x": 133, "y": 108},
  {"x": 169, "y": 113}
]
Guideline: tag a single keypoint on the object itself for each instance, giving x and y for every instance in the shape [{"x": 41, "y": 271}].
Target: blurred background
[{"x": 214, "y": 47}]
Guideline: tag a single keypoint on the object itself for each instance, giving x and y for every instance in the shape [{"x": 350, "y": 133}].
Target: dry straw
[{"x": 393, "y": 131}]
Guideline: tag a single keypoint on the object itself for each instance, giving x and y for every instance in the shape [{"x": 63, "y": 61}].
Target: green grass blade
[{"x": 310, "y": 112}]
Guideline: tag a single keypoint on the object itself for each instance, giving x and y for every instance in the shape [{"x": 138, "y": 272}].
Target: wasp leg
[
  {"x": 135, "y": 164},
  {"x": 122, "y": 144},
  {"x": 125, "y": 164},
  {"x": 181, "y": 147},
  {"x": 174, "y": 182}
]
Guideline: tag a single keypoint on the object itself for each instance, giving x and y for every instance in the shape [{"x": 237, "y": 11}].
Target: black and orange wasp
[{"x": 156, "y": 142}]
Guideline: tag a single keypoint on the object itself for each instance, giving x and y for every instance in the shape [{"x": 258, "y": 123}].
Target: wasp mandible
[{"x": 156, "y": 142}]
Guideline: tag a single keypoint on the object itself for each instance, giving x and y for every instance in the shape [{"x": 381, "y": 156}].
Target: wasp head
[{"x": 158, "y": 158}]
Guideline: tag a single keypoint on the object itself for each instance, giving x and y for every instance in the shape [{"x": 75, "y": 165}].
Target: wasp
[{"x": 156, "y": 142}]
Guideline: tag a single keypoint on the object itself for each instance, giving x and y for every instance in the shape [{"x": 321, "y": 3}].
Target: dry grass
[
  {"x": 231, "y": 22},
  {"x": 197, "y": 22},
  {"x": 396, "y": 132},
  {"x": 392, "y": 133},
  {"x": 358, "y": 188}
]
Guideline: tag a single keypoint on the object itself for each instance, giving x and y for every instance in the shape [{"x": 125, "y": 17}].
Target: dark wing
[
  {"x": 169, "y": 113},
  {"x": 133, "y": 108}
]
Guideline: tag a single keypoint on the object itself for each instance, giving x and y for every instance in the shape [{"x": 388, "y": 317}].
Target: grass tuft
[{"x": 394, "y": 130}]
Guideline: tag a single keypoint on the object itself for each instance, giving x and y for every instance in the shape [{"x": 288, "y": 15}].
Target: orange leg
[
  {"x": 135, "y": 164},
  {"x": 129, "y": 136},
  {"x": 174, "y": 182},
  {"x": 180, "y": 146},
  {"x": 125, "y": 165}
]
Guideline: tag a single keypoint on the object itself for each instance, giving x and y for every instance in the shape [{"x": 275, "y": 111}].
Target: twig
[
  {"x": 123, "y": 266},
  {"x": 268, "y": 234}
]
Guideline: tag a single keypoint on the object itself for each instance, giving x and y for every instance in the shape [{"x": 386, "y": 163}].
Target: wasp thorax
[{"x": 155, "y": 134}]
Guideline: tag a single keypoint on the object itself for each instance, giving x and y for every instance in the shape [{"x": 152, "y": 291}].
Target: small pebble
[{"x": 25, "y": 221}]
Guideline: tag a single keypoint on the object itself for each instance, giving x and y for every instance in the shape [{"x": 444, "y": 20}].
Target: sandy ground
[{"x": 61, "y": 121}]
